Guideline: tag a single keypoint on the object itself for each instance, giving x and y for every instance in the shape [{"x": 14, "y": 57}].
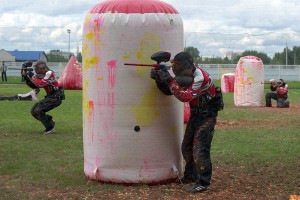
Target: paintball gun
[
  {"x": 159, "y": 57},
  {"x": 272, "y": 81},
  {"x": 26, "y": 66},
  {"x": 265, "y": 83},
  {"x": 25, "y": 69}
]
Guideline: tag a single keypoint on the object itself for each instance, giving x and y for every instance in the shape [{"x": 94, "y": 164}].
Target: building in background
[
  {"x": 6, "y": 56},
  {"x": 21, "y": 56}
]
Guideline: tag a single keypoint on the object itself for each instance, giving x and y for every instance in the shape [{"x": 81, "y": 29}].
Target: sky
[{"x": 215, "y": 27}]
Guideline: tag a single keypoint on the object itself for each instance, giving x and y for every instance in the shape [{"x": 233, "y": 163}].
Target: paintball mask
[
  {"x": 185, "y": 59},
  {"x": 182, "y": 63},
  {"x": 40, "y": 67}
]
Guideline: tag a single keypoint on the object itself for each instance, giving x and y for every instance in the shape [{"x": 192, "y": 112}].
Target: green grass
[{"x": 247, "y": 138}]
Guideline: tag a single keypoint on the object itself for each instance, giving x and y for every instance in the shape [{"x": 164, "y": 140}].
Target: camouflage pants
[
  {"x": 39, "y": 110},
  {"x": 281, "y": 102},
  {"x": 196, "y": 146}
]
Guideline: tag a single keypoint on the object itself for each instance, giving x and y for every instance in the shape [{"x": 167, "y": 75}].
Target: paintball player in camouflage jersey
[
  {"x": 205, "y": 101},
  {"x": 44, "y": 78},
  {"x": 279, "y": 92}
]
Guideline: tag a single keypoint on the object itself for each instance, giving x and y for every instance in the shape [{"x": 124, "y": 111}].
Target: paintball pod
[{"x": 159, "y": 57}]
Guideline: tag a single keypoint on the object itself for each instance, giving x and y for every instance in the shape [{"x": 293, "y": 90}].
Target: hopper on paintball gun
[{"x": 159, "y": 57}]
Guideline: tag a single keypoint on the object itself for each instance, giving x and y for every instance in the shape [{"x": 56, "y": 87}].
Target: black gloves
[
  {"x": 165, "y": 76},
  {"x": 153, "y": 74},
  {"x": 161, "y": 75}
]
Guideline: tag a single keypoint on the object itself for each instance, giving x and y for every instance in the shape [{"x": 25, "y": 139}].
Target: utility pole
[
  {"x": 286, "y": 54},
  {"x": 69, "y": 32}
]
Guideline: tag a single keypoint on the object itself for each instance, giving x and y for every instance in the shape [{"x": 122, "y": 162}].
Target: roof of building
[{"x": 27, "y": 55}]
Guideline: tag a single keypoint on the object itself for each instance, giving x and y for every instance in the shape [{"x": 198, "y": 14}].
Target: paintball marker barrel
[
  {"x": 265, "y": 83},
  {"x": 25, "y": 69},
  {"x": 159, "y": 57},
  {"x": 156, "y": 66}
]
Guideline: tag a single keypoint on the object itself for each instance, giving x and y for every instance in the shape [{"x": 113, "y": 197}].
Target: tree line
[
  {"x": 60, "y": 56},
  {"x": 290, "y": 57},
  {"x": 287, "y": 56}
]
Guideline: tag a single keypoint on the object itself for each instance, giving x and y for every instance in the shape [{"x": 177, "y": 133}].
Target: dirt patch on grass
[{"x": 227, "y": 183}]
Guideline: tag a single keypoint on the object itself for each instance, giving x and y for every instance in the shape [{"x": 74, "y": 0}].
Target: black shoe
[
  {"x": 50, "y": 129},
  {"x": 198, "y": 188}
]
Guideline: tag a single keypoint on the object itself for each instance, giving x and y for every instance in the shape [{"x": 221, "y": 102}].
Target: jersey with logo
[
  {"x": 202, "y": 88},
  {"x": 48, "y": 82}
]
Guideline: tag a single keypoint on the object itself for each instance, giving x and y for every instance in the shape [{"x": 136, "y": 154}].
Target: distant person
[
  {"x": 279, "y": 92},
  {"x": 3, "y": 71},
  {"x": 44, "y": 78},
  {"x": 30, "y": 96}
]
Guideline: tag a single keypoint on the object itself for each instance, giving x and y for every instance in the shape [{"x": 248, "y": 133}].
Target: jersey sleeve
[{"x": 202, "y": 83}]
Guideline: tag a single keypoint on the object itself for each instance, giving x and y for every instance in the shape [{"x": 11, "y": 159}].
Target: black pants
[
  {"x": 11, "y": 98},
  {"x": 4, "y": 77},
  {"x": 39, "y": 110},
  {"x": 281, "y": 102},
  {"x": 196, "y": 146}
]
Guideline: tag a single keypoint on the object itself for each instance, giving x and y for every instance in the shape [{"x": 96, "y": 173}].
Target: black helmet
[{"x": 184, "y": 58}]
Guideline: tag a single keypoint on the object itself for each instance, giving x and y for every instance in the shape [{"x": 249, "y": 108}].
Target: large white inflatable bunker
[
  {"x": 132, "y": 133},
  {"x": 249, "y": 74}
]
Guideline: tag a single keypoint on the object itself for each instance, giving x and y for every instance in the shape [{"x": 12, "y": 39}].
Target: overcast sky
[{"x": 215, "y": 27}]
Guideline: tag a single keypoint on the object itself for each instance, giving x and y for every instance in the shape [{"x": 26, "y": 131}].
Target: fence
[{"x": 286, "y": 72}]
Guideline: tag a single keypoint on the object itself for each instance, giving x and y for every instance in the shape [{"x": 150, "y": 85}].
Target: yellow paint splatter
[
  {"x": 143, "y": 115},
  {"x": 100, "y": 79},
  {"x": 94, "y": 60},
  {"x": 89, "y": 36},
  {"x": 126, "y": 56}
]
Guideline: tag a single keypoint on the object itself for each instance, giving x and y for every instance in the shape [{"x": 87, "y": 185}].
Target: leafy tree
[
  {"x": 194, "y": 53},
  {"x": 56, "y": 56},
  {"x": 263, "y": 56},
  {"x": 79, "y": 57},
  {"x": 290, "y": 56}
]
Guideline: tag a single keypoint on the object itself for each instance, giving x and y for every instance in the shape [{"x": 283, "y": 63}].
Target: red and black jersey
[
  {"x": 48, "y": 82},
  {"x": 282, "y": 91},
  {"x": 202, "y": 85}
]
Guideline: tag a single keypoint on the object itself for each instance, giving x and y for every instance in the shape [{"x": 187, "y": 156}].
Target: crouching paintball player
[
  {"x": 279, "y": 92},
  {"x": 44, "y": 78},
  {"x": 194, "y": 85}
]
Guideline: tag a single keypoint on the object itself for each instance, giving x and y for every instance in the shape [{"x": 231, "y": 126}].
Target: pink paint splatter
[
  {"x": 112, "y": 67},
  {"x": 91, "y": 119}
]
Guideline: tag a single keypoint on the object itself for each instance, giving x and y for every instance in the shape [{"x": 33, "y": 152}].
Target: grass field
[{"x": 255, "y": 153}]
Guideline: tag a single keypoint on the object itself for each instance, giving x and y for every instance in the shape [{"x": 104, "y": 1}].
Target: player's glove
[
  {"x": 153, "y": 74},
  {"x": 164, "y": 76}
]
